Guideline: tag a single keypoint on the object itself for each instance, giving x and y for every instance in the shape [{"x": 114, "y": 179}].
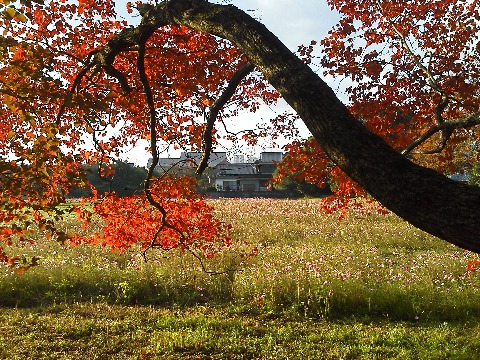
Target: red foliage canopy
[{"x": 412, "y": 70}]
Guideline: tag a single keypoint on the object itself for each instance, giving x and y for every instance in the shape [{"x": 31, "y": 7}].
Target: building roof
[
  {"x": 214, "y": 159},
  {"x": 219, "y": 162},
  {"x": 236, "y": 169},
  {"x": 192, "y": 158}
]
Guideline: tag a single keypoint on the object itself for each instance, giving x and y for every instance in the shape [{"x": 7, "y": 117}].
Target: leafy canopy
[{"x": 412, "y": 70}]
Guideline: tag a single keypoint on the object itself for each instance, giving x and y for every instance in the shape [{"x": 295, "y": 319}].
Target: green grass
[
  {"x": 100, "y": 331},
  {"x": 366, "y": 287}
]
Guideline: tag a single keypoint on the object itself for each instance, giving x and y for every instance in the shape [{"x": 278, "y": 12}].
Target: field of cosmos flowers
[{"x": 372, "y": 285}]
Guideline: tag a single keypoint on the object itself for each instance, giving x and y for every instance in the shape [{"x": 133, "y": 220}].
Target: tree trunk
[{"x": 423, "y": 197}]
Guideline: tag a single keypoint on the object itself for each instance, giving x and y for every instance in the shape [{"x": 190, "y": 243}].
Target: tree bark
[{"x": 421, "y": 196}]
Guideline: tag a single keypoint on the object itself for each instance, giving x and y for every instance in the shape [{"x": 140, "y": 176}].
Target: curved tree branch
[
  {"x": 153, "y": 122},
  {"x": 122, "y": 79},
  {"x": 153, "y": 145},
  {"x": 73, "y": 88},
  {"x": 445, "y": 127},
  {"x": 423, "y": 197},
  {"x": 215, "y": 109}
]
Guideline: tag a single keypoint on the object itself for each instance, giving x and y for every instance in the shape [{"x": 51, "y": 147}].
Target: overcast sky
[{"x": 294, "y": 22}]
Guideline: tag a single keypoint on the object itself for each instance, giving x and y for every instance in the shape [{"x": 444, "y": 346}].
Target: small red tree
[
  {"x": 68, "y": 72},
  {"x": 52, "y": 97}
]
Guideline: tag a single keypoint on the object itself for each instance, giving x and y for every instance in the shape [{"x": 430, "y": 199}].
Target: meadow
[{"x": 317, "y": 288}]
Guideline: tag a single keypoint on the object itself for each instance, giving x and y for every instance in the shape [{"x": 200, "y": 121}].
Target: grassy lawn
[
  {"x": 100, "y": 331},
  {"x": 366, "y": 287}
]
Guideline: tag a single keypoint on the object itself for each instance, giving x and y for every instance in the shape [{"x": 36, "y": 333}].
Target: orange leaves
[
  {"x": 172, "y": 187},
  {"x": 401, "y": 58},
  {"x": 129, "y": 7},
  {"x": 306, "y": 161},
  {"x": 472, "y": 266},
  {"x": 132, "y": 220},
  {"x": 184, "y": 221},
  {"x": 18, "y": 54},
  {"x": 33, "y": 185},
  {"x": 187, "y": 71},
  {"x": 181, "y": 91},
  {"x": 306, "y": 52},
  {"x": 83, "y": 5},
  {"x": 207, "y": 102}
]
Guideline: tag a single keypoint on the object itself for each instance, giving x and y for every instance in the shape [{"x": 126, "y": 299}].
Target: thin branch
[
  {"x": 153, "y": 144},
  {"x": 155, "y": 158},
  {"x": 204, "y": 268},
  {"x": 236, "y": 134},
  {"x": 101, "y": 164},
  {"x": 431, "y": 79},
  {"x": 215, "y": 109},
  {"x": 153, "y": 119},
  {"x": 122, "y": 79},
  {"x": 153, "y": 133},
  {"x": 73, "y": 88},
  {"x": 152, "y": 127},
  {"x": 447, "y": 128},
  {"x": 442, "y": 103},
  {"x": 446, "y": 133}
]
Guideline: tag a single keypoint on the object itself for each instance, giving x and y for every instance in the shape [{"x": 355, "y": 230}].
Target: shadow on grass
[
  {"x": 41, "y": 287},
  {"x": 44, "y": 288}
]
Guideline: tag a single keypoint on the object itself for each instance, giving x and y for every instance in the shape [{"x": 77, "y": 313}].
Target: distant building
[
  {"x": 238, "y": 159},
  {"x": 230, "y": 176},
  {"x": 247, "y": 176}
]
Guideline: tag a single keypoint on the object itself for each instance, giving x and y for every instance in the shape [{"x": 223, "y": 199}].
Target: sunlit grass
[
  {"x": 100, "y": 331},
  {"x": 364, "y": 287},
  {"x": 307, "y": 263}
]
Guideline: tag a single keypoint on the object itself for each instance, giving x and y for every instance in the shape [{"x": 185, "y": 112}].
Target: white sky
[{"x": 294, "y": 22}]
